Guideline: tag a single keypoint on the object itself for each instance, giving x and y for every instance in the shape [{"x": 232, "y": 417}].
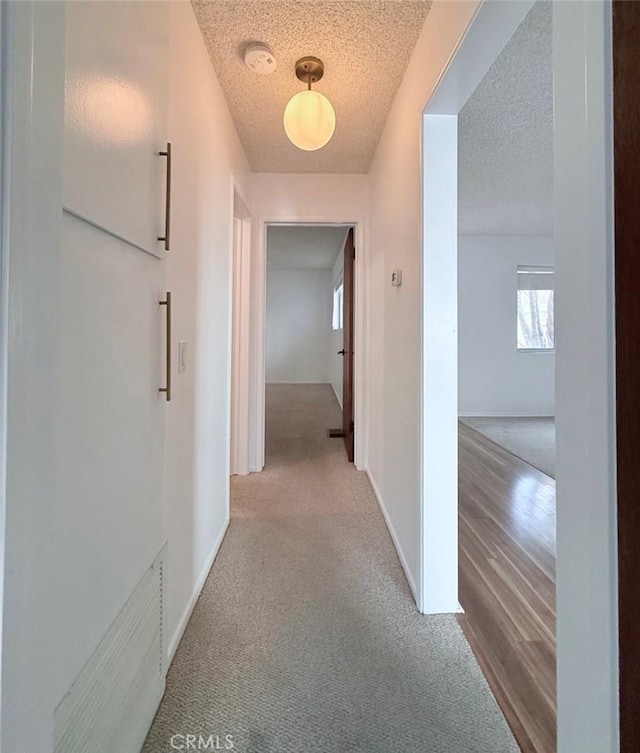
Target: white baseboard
[
  {"x": 394, "y": 538},
  {"x": 186, "y": 615},
  {"x": 338, "y": 397}
]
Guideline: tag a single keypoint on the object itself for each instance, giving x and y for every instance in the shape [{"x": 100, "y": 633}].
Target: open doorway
[
  {"x": 309, "y": 346},
  {"x": 584, "y": 386},
  {"x": 506, "y": 380},
  {"x": 255, "y": 305}
]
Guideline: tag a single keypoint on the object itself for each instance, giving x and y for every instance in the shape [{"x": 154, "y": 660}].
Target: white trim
[
  {"x": 586, "y": 567},
  {"x": 229, "y": 412},
  {"x": 394, "y": 537},
  {"x": 257, "y": 384},
  {"x": 6, "y": 75},
  {"x": 195, "y": 595},
  {"x": 257, "y": 422},
  {"x": 488, "y": 32},
  {"x": 338, "y": 397},
  {"x": 241, "y": 340},
  {"x": 438, "y": 565},
  {"x": 236, "y": 308}
]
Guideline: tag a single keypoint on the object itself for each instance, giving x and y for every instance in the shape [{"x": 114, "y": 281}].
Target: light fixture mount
[
  {"x": 310, "y": 70},
  {"x": 309, "y": 118}
]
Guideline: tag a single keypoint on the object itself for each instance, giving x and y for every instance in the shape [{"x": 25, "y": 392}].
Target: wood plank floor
[{"x": 507, "y": 520}]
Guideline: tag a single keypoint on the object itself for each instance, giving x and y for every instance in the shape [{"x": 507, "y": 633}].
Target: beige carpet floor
[{"x": 306, "y": 638}]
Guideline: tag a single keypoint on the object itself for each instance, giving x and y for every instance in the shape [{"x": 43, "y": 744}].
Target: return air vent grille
[{"x": 113, "y": 700}]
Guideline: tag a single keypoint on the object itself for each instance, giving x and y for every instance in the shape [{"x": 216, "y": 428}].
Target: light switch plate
[{"x": 396, "y": 278}]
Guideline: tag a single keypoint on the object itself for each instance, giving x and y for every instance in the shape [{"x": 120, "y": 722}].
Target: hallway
[{"x": 306, "y": 636}]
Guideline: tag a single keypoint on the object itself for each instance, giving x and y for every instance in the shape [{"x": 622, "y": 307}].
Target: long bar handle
[
  {"x": 167, "y": 389},
  {"x": 167, "y": 207}
]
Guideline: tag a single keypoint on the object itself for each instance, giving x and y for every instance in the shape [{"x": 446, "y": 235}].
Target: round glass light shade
[{"x": 309, "y": 120}]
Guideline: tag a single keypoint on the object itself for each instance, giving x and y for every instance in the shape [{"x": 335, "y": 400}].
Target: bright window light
[
  {"x": 338, "y": 307},
  {"x": 535, "y": 309}
]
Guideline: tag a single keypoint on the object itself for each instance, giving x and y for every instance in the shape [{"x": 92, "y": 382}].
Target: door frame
[
  {"x": 490, "y": 29},
  {"x": 587, "y": 655},
  {"x": 348, "y": 340},
  {"x": 5, "y": 213},
  {"x": 627, "y": 227},
  {"x": 258, "y": 332},
  {"x": 239, "y": 428}
]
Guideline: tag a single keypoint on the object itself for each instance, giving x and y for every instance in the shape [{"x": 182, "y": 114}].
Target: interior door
[
  {"x": 348, "y": 428},
  {"x": 626, "y": 111}
]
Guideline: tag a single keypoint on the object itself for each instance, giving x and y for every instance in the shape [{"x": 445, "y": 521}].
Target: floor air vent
[{"x": 113, "y": 700}]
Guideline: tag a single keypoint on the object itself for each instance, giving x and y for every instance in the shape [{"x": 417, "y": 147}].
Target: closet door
[
  {"x": 112, "y": 348},
  {"x": 116, "y": 119}
]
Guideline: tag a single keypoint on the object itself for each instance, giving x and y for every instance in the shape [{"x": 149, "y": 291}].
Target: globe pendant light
[{"x": 309, "y": 117}]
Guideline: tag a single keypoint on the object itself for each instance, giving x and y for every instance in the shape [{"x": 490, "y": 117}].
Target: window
[
  {"x": 535, "y": 309},
  {"x": 338, "y": 306}
]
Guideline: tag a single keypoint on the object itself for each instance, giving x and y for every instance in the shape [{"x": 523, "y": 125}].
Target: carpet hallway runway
[{"x": 306, "y": 638}]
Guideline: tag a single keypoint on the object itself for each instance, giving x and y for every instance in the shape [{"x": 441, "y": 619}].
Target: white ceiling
[
  {"x": 506, "y": 138},
  {"x": 365, "y": 46},
  {"x": 304, "y": 247}
]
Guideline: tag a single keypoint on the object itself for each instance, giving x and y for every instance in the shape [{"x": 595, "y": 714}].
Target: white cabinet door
[
  {"x": 116, "y": 118},
  {"x": 110, "y": 344}
]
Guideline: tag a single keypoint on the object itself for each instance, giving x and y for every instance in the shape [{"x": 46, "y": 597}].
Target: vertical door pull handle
[
  {"x": 167, "y": 207},
  {"x": 167, "y": 389}
]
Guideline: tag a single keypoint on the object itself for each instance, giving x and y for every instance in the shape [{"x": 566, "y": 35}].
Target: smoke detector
[{"x": 260, "y": 59}]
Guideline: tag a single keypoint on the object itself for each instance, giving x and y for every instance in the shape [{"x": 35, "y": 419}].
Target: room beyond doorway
[
  {"x": 309, "y": 314},
  {"x": 256, "y": 305}
]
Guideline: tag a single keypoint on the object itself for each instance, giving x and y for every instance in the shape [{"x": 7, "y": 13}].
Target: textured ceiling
[
  {"x": 365, "y": 46},
  {"x": 506, "y": 138},
  {"x": 301, "y": 247}
]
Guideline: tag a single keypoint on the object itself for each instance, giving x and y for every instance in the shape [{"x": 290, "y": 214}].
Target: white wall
[
  {"x": 309, "y": 196},
  {"x": 85, "y": 517},
  {"x": 336, "y": 362},
  {"x": 493, "y": 378},
  {"x": 208, "y": 157},
  {"x": 394, "y": 325},
  {"x": 299, "y": 304}
]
